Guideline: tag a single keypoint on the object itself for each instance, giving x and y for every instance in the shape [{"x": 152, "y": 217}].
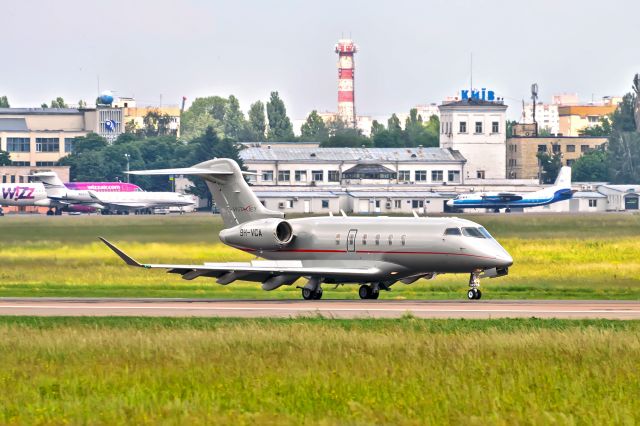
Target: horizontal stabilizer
[{"x": 181, "y": 171}]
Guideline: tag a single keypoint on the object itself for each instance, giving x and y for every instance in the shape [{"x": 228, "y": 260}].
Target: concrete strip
[{"x": 571, "y": 309}]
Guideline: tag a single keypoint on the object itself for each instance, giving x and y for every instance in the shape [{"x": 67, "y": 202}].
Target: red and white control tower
[{"x": 346, "y": 48}]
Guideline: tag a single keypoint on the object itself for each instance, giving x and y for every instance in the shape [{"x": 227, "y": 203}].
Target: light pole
[{"x": 127, "y": 156}]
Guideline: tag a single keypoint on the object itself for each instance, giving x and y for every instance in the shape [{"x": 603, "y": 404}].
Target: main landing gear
[
  {"x": 369, "y": 292},
  {"x": 474, "y": 292},
  {"x": 308, "y": 294},
  {"x": 312, "y": 290}
]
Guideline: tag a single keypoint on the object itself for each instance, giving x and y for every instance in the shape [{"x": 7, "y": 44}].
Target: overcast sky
[{"x": 411, "y": 52}]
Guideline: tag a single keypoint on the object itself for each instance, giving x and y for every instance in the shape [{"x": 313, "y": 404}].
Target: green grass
[
  {"x": 314, "y": 371},
  {"x": 556, "y": 256}
]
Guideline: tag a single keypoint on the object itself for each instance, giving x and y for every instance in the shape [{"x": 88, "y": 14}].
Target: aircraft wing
[
  {"x": 503, "y": 196},
  {"x": 258, "y": 271}
]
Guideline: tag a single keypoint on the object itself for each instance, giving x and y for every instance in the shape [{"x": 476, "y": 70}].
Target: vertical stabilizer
[
  {"x": 51, "y": 182},
  {"x": 231, "y": 193},
  {"x": 564, "y": 178}
]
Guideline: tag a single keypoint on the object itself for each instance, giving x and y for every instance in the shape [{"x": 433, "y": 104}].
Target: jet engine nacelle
[{"x": 262, "y": 234}]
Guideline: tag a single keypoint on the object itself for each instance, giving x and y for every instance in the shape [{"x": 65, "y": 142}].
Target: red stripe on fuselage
[{"x": 366, "y": 252}]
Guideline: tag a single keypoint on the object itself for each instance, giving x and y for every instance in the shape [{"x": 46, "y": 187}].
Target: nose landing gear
[{"x": 474, "y": 292}]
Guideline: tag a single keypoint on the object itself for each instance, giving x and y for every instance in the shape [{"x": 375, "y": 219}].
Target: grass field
[
  {"x": 556, "y": 256},
  {"x": 313, "y": 371}
]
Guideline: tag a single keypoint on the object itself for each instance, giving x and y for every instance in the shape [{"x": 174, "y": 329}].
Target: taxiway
[{"x": 568, "y": 309}]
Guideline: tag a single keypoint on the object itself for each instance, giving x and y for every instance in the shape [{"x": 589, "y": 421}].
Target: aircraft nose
[{"x": 504, "y": 259}]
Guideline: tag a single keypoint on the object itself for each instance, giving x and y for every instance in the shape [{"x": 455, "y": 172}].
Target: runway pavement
[{"x": 327, "y": 308}]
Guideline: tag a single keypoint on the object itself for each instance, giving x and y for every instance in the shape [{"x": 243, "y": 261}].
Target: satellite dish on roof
[{"x": 106, "y": 98}]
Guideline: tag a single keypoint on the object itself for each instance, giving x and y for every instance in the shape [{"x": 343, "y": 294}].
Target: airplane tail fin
[
  {"x": 564, "y": 178},
  {"x": 231, "y": 193},
  {"x": 51, "y": 182}
]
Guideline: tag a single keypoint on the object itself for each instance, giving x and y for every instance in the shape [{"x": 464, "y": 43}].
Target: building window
[
  {"x": 454, "y": 176},
  {"x": 301, "y": 175},
  {"x": 421, "y": 175},
  {"x": 267, "y": 176},
  {"x": 542, "y": 148},
  {"x": 404, "y": 175},
  {"x": 478, "y": 127},
  {"x": 68, "y": 144},
  {"x": 334, "y": 176},
  {"x": 417, "y": 204},
  {"x": 284, "y": 176},
  {"x": 20, "y": 163},
  {"x": 47, "y": 144},
  {"x": 46, "y": 163},
  {"x": 251, "y": 177},
  {"x": 495, "y": 127},
  {"x": 593, "y": 203},
  {"x": 288, "y": 204},
  {"x": 593, "y": 119},
  {"x": 437, "y": 176},
  {"x": 317, "y": 175},
  {"x": 570, "y": 162},
  {"x": 325, "y": 204},
  {"x": 556, "y": 148},
  {"x": 584, "y": 148},
  {"x": 397, "y": 204},
  {"x": 18, "y": 144},
  {"x": 571, "y": 148},
  {"x": 480, "y": 174},
  {"x": 463, "y": 127}
]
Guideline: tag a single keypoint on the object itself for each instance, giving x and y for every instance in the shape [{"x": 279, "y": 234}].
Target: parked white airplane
[{"x": 62, "y": 196}]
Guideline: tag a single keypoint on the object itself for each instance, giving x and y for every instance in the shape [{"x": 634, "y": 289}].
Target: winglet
[{"x": 124, "y": 256}]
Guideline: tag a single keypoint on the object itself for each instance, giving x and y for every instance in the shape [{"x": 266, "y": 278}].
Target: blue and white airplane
[{"x": 561, "y": 190}]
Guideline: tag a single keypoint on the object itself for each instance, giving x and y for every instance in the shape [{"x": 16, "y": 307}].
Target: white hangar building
[{"x": 310, "y": 179}]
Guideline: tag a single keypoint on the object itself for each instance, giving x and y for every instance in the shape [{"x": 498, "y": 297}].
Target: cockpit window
[
  {"x": 485, "y": 233},
  {"x": 472, "y": 232},
  {"x": 452, "y": 231}
]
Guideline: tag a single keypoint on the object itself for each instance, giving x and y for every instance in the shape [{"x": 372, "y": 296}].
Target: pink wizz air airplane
[{"x": 35, "y": 194}]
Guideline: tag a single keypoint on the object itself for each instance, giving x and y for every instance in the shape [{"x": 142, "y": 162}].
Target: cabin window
[
  {"x": 452, "y": 231},
  {"x": 364, "y": 239},
  {"x": 472, "y": 232},
  {"x": 403, "y": 240},
  {"x": 337, "y": 239},
  {"x": 390, "y": 239},
  {"x": 377, "y": 239}
]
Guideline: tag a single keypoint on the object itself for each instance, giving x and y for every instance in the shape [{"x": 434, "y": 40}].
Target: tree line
[{"x": 616, "y": 161}]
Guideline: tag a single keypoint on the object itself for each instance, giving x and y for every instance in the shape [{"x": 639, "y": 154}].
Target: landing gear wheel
[
  {"x": 49, "y": 212},
  {"x": 374, "y": 295},
  {"x": 364, "y": 292},
  {"x": 317, "y": 295},
  {"x": 307, "y": 294},
  {"x": 474, "y": 294}
]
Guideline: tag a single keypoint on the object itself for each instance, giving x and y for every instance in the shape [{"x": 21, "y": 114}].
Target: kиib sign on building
[{"x": 480, "y": 95}]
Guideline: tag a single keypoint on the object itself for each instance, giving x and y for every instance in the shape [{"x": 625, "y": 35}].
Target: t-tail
[
  {"x": 231, "y": 193},
  {"x": 53, "y": 185}
]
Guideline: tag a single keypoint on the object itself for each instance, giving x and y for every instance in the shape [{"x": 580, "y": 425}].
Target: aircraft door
[{"x": 351, "y": 240}]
